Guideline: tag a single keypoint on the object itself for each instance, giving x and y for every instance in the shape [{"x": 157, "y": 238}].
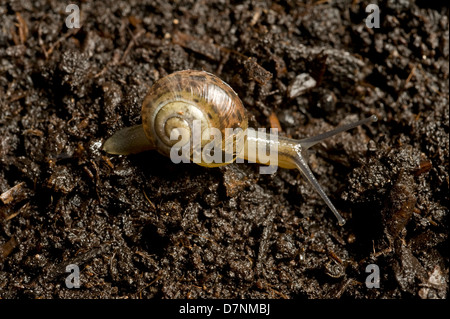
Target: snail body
[{"x": 198, "y": 103}]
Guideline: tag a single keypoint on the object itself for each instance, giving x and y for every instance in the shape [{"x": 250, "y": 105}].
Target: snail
[{"x": 184, "y": 98}]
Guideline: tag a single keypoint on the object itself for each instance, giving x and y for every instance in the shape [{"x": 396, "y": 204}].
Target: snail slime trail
[{"x": 177, "y": 101}]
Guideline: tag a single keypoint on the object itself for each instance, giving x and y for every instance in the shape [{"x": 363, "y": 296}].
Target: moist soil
[{"x": 141, "y": 226}]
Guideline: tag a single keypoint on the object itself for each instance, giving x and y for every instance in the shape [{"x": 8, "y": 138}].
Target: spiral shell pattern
[{"x": 184, "y": 96}]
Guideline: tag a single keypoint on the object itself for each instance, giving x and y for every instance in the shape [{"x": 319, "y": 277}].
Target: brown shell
[
  {"x": 219, "y": 105},
  {"x": 214, "y": 97}
]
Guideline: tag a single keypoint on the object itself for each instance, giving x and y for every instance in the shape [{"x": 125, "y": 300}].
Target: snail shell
[{"x": 178, "y": 99}]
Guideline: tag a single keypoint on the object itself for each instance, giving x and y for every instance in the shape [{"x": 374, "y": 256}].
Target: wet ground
[{"x": 142, "y": 227}]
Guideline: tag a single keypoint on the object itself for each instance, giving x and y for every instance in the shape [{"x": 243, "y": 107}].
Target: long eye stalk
[
  {"x": 306, "y": 171},
  {"x": 310, "y": 141},
  {"x": 289, "y": 154}
]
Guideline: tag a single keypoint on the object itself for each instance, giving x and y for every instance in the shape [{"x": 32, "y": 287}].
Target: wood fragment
[
  {"x": 274, "y": 122},
  {"x": 7, "y": 248},
  {"x": 23, "y": 28},
  {"x": 15, "y": 193},
  {"x": 108, "y": 161},
  {"x": 149, "y": 201},
  {"x": 33, "y": 131},
  {"x": 410, "y": 75},
  {"x": 256, "y": 16},
  {"x": 136, "y": 35},
  {"x": 257, "y": 72},
  {"x": 424, "y": 167},
  {"x": 49, "y": 52},
  {"x": 21, "y": 209},
  {"x": 333, "y": 255}
]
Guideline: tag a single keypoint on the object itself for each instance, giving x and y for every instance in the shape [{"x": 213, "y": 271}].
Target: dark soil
[{"x": 143, "y": 227}]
